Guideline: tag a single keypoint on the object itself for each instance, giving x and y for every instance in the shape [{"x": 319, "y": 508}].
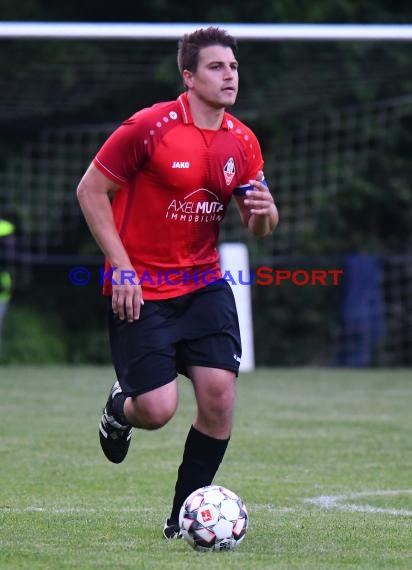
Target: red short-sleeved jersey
[{"x": 176, "y": 182}]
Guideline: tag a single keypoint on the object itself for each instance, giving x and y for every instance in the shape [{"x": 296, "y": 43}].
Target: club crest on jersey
[{"x": 229, "y": 170}]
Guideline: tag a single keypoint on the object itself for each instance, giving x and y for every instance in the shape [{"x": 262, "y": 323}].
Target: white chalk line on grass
[
  {"x": 92, "y": 511},
  {"x": 69, "y": 510},
  {"x": 343, "y": 502},
  {"x": 338, "y": 502}
]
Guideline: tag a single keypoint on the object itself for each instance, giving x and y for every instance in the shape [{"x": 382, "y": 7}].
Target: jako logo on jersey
[
  {"x": 229, "y": 170},
  {"x": 177, "y": 164}
]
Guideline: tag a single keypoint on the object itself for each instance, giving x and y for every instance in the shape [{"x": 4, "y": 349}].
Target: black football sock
[
  {"x": 117, "y": 408},
  {"x": 201, "y": 459}
]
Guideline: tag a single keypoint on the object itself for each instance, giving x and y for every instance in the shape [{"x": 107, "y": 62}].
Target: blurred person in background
[{"x": 7, "y": 230}]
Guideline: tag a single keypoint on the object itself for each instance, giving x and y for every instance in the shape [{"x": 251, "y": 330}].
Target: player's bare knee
[
  {"x": 150, "y": 415},
  {"x": 158, "y": 418},
  {"x": 216, "y": 412},
  {"x": 218, "y": 402}
]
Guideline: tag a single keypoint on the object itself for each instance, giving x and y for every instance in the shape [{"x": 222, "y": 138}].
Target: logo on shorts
[
  {"x": 229, "y": 170},
  {"x": 236, "y": 357}
]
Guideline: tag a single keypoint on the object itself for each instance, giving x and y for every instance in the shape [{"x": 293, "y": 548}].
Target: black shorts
[{"x": 200, "y": 328}]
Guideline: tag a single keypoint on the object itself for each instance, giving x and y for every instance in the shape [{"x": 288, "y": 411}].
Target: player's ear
[{"x": 187, "y": 78}]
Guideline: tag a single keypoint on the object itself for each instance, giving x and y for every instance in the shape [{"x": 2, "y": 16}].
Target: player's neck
[{"x": 204, "y": 116}]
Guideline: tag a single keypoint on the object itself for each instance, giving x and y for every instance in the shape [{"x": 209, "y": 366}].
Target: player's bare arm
[
  {"x": 258, "y": 209},
  {"x": 93, "y": 195}
]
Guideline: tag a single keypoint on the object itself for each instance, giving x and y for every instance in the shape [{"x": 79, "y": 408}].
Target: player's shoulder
[
  {"x": 239, "y": 129},
  {"x": 158, "y": 114}
]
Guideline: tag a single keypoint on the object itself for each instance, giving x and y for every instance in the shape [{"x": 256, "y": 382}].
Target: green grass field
[{"x": 322, "y": 458}]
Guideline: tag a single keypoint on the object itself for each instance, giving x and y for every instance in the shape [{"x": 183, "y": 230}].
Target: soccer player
[{"x": 171, "y": 171}]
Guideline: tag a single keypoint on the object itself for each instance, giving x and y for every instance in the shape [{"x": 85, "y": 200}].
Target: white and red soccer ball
[{"x": 213, "y": 518}]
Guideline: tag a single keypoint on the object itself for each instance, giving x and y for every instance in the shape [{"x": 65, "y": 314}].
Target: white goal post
[{"x": 119, "y": 30}]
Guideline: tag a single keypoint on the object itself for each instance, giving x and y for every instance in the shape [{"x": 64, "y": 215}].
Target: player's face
[{"x": 216, "y": 79}]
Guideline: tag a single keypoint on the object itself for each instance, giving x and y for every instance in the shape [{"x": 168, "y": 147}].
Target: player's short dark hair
[{"x": 190, "y": 45}]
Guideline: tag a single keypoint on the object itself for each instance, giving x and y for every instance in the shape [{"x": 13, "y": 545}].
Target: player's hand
[
  {"x": 127, "y": 297},
  {"x": 259, "y": 200}
]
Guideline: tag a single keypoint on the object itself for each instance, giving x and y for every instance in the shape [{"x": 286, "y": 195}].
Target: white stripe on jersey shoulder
[{"x": 185, "y": 117}]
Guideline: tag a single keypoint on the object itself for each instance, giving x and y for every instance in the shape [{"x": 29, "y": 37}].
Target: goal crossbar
[{"x": 171, "y": 31}]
